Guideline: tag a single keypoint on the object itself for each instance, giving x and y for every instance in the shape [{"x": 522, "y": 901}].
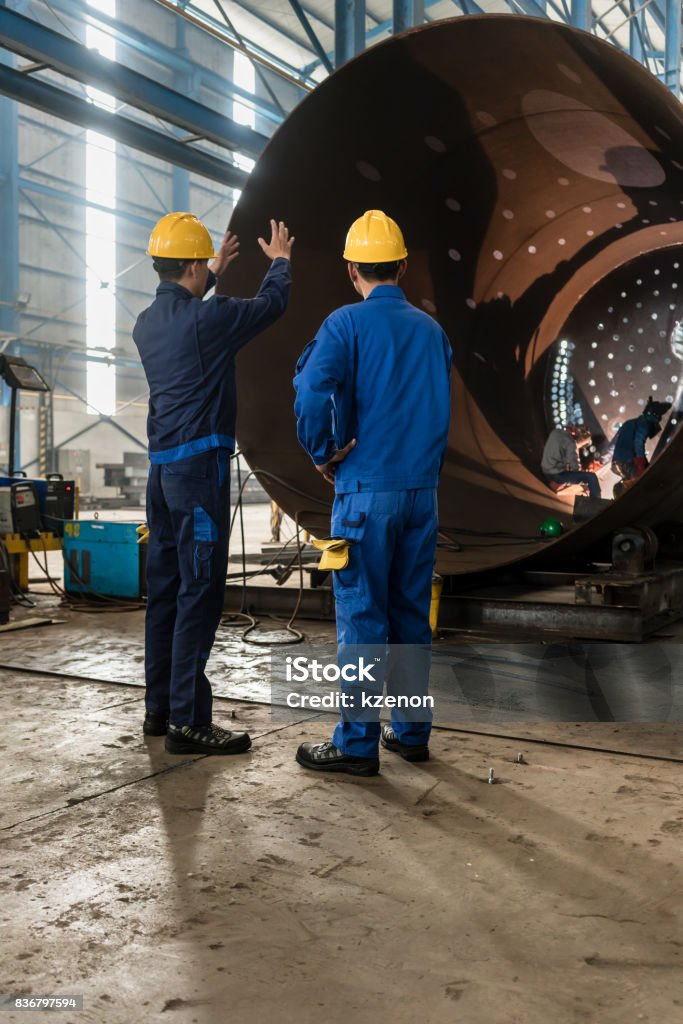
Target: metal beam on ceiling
[
  {"x": 310, "y": 32},
  {"x": 406, "y": 14},
  {"x": 203, "y": 21},
  {"x": 151, "y": 49},
  {"x": 33, "y": 41},
  {"x": 582, "y": 14},
  {"x": 349, "y": 29},
  {"x": 72, "y": 108},
  {"x": 672, "y": 59}
]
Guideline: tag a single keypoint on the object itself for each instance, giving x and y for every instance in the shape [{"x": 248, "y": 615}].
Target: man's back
[
  {"x": 187, "y": 347},
  {"x": 388, "y": 367},
  {"x": 559, "y": 453}
]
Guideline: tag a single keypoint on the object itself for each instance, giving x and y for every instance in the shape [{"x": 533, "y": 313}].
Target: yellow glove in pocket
[
  {"x": 335, "y": 552},
  {"x": 143, "y": 533}
]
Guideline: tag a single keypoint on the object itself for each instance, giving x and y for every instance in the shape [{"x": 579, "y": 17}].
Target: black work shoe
[
  {"x": 408, "y": 751},
  {"x": 155, "y": 725},
  {"x": 324, "y": 757},
  {"x": 205, "y": 739}
]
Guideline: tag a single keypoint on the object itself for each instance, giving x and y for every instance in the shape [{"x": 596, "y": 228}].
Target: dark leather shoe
[
  {"x": 155, "y": 725},
  {"x": 408, "y": 751},
  {"x": 324, "y": 757},
  {"x": 205, "y": 739}
]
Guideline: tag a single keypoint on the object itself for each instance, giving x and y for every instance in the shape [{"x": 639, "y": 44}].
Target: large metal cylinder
[{"x": 536, "y": 173}]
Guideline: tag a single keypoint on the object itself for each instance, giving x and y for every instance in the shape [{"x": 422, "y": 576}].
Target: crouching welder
[
  {"x": 373, "y": 409},
  {"x": 629, "y": 458},
  {"x": 188, "y": 347},
  {"x": 560, "y": 461}
]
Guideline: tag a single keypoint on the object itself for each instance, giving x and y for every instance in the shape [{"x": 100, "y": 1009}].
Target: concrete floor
[
  {"x": 247, "y": 890},
  {"x": 209, "y": 890}
]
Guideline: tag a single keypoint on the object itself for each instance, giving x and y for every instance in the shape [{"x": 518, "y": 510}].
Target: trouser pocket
[
  {"x": 205, "y": 536},
  {"x": 202, "y": 561}
]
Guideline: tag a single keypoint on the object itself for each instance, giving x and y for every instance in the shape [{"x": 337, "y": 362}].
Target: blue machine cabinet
[{"x": 102, "y": 558}]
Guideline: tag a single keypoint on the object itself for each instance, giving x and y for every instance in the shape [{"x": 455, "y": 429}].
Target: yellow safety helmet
[
  {"x": 180, "y": 236},
  {"x": 374, "y": 238}
]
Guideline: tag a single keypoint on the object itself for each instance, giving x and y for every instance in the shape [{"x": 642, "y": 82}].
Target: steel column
[
  {"x": 9, "y": 219},
  {"x": 635, "y": 33},
  {"x": 581, "y": 14},
  {"x": 181, "y": 177},
  {"x": 672, "y": 47},
  {"x": 349, "y": 28},
  {"x": 407, "y": 14}
]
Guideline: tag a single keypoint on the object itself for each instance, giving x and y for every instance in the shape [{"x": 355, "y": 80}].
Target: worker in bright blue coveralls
[
  {"x": 373, "y": 409},
  {"x": 188, "y": 348}
]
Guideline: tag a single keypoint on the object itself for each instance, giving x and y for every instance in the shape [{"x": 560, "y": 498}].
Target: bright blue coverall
[
  {"x": 379, "y": 371},
  {"x": 188, "y": 347}
]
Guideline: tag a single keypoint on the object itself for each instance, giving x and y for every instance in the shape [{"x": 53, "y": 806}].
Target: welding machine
[
  {"x": 56, "y": 499},
  {"x": 104, "y": 559},
  {"x": 19, "y": 508}
]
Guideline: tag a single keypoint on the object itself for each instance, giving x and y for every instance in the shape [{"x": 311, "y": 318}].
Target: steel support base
[{"x": 597, "y": 606}]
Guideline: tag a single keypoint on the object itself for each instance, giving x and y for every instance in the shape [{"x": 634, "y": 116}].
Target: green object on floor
[{"x": 551, "y": 528}]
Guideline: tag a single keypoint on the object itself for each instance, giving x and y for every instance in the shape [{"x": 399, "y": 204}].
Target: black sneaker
[
  {"x": 205, "y": 739},
  {"x": 155, "y": 725},
  {"x": 324, "y": 757},
  {"x": 408, "y": 751}
]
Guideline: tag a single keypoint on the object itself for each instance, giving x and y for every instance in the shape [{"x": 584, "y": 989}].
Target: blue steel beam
[
  {"x": 37, "y": 43},
  {"x": 308, "y": 29},
  {"x": 349, "y": 29},
  {"x": 151, "y": 49},
  {"x": 72, "y": 108},
  {"x": 200, "y": 19},
  {"x": 144, "y": 221},
  {"x": 9, "y": 222},
  {"x": 407, "y": 14},
  {"x": 672, "y": 47},
  {"x": 581, "y": 14},
  {"x": 636, "y": 43},
  {"x": 380, "y": 28}
]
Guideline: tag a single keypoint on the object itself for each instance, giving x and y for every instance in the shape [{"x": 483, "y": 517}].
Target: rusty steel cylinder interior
[{"x": 537, "y": 175}]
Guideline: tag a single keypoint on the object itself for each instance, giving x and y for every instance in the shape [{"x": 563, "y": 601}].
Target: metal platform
[
  {"x": 596, "y": 606},
  {"x": 602, "y": 605}
]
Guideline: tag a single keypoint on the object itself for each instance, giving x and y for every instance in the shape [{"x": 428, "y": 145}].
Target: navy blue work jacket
[
  {"x": 187, "y": 347},
  {"x": 629, "y": 443},
  {"x": 379, "y": 371}
]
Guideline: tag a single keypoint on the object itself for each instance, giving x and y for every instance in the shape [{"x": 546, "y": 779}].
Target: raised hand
[
  {"x": 229, "y": 251},
  {"x": 280, "y": 244}
]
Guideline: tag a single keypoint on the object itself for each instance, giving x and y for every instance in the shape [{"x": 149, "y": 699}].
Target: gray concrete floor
[
  {"x": 207, "y": 890},
  {"x": 210, "y": 890}
]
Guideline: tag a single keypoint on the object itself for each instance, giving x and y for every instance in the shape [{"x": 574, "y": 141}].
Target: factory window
[
  {"x": 100, "y": 236},
  {"x": 245, "y": 78}
]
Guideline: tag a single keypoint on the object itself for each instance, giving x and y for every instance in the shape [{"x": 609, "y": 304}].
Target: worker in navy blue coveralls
[
  {"x": 373, "y": 409},
  {"x": 188, "y": 348},
  {"x": 629, "y": 457}
]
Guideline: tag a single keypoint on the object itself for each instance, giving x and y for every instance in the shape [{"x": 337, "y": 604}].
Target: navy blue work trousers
[
  {"x": 577, "y": 476},
  {"x": 188, "y": 513}
]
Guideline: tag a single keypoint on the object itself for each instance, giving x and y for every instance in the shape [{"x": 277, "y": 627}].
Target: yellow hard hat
[
  {"x": 374, "y": 238},
  {"x": 180, "y": 236}
]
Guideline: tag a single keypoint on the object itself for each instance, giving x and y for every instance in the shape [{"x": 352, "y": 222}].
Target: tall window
[
  {"x": 100, "y": 236},
  {"x": 245, "y": 78}
]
